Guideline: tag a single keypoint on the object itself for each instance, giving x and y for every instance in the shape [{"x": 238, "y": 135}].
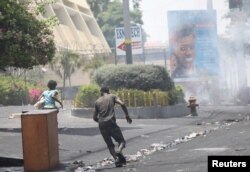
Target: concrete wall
[{"x": 140, "y": 112}]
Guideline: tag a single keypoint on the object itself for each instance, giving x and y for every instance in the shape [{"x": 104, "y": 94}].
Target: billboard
[
  {"x": 193, "y": 44},
  {"x": 136, "y": 39}
]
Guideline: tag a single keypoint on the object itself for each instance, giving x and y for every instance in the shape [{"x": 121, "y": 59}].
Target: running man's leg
[
  {"x": 105, "y": 129},
  {"x": 118, "y": 136}
]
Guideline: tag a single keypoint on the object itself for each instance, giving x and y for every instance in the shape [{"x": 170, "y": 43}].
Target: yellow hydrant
[{"x": 192, "y": 105}]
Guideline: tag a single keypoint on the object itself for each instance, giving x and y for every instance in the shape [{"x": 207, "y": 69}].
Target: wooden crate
[{"x": 40, "y": 140}]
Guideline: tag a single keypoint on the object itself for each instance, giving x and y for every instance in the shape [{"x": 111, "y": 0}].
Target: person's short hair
[
  {"x": 104, "y": 89},
  {"x": 183, "y": 31},
  {"x": 52, "y": 84}
]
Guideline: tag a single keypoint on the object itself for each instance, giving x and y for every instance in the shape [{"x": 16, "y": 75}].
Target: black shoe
[
  {"x": 118, "y": 163},
  {"x": 121, "y": 158}
]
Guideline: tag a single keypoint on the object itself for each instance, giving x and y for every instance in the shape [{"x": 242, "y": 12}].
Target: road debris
[
  {"x": 240, "y": 149},
  {"x": 155, "y": 147},
  {"x": 15, "y": 115},
  {"x": 130, "y": 169},
  {"x": 145, "y": 136}
]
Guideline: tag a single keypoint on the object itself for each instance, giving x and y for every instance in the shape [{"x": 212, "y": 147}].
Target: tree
[
  {"x": 93, "y": 64},
  {"x": 24, "y": 41},
  {"x": 98, "y": 7},
  {"x": 65, "y": 64},
  {"x": 109, "y": 14}
]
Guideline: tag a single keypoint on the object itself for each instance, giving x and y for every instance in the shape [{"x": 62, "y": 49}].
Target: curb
[{"x": 152, "y": 112}]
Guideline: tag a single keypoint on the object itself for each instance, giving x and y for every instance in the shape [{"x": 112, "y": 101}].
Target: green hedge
[
  {"x": 139, "y": 98},
  {"x": 140, "y": 77},
  {"x": 87, "y": 95}
]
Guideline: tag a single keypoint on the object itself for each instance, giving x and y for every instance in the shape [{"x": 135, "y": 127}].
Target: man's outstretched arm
[{"x": 125, "y": 110}]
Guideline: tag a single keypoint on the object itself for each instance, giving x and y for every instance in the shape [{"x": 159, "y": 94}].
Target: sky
[{"x": 155, "y": 15}]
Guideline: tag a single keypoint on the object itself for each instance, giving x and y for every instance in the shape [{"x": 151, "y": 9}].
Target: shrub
[
  {"x": 34, "y": 94},
  {"x": 87, "y": 95},
  {"x": 180, "y": 94},
  {"x": 141, "y": 77},
  {"x": 176, "y": 95},
  {"x": 14, "y": 91},
  {"x": 140, "y": 98}
]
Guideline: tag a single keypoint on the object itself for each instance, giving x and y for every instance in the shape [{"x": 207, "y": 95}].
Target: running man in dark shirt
[{"x": 104, "y": 114}]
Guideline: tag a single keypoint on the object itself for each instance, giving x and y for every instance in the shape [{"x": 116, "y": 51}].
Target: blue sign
[{"x": 193, "y": 44}]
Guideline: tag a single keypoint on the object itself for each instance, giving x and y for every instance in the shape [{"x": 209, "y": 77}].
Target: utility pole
[
  {"x": 209, "y": 4},
  {"x": 128, "y": 42}
]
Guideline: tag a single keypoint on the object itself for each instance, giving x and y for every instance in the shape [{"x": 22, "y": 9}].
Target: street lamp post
[{"x": 128, "y": 42}]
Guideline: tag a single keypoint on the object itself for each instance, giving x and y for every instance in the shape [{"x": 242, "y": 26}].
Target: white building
[{"x": 78, "y": 29}]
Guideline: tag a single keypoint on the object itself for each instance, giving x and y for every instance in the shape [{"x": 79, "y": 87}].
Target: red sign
[
  {"x": 122, "y": 46},
  {"x": 135, "y": 45}
]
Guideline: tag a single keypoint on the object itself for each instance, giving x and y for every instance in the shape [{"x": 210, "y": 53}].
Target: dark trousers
[{"x": 109, "y": 129}]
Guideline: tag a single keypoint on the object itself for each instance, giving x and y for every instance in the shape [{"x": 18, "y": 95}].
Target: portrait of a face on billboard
[{"x": 193, "y": 44}]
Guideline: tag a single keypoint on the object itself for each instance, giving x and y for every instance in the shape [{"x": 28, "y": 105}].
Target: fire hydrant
[{"x": 192, "y": 105}]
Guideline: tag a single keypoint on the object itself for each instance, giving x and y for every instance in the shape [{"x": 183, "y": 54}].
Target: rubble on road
[{"x": 155, "y": 147}]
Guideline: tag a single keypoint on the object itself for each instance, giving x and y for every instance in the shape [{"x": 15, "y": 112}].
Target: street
[
  {"x": 232, "y": 139},
  {"x": 174, "y": 144}
]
